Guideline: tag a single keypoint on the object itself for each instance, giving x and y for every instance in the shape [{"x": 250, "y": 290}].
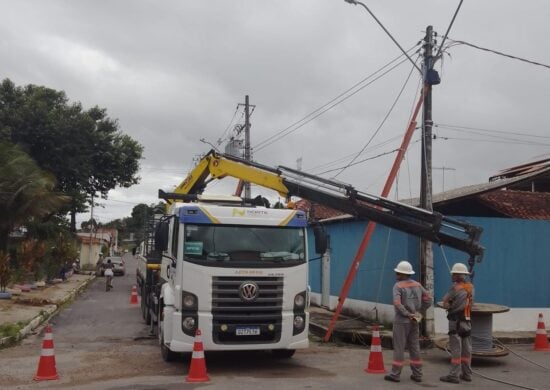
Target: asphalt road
[{"x": 101, "y": 342}]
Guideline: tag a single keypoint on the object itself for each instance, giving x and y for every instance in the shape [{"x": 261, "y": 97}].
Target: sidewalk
[
  {"x": 30, "y": 309},
  {"x": 358, "y": 331}
]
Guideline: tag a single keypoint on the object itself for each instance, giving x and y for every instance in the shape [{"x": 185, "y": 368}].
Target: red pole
[{"x": 371, "y": 225}]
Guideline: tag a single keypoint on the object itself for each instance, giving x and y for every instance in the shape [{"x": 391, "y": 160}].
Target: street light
[{"x": 354, "y": 2}]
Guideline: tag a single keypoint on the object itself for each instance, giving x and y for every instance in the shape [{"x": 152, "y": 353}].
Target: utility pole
[
  {"x": 426, "y": 253},
  {"x": 444, "y": 169},
  {"x": 247, "y": 154},
  {"x": 91, "y": 230},
  {"x": 247, "y": 193}
]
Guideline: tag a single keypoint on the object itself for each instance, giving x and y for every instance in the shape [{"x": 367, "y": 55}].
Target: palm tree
[{"x": 26, "y": 191}]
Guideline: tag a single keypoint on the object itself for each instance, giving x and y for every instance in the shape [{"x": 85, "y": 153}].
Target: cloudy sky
[{"x": 173, "y": 73}]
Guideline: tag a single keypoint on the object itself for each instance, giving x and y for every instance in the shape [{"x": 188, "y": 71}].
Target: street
[{"x": 101, "y": 342}]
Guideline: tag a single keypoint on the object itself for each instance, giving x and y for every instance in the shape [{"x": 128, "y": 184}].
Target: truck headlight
[
  {"x": 298, "y": 322},
  {"x": 299, "y": 301},
  {"x": 189, "y": 301},
  {"x": 188, "y": 323}
]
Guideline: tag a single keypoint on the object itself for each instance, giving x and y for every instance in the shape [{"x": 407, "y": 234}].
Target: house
[
  {"x": 92, "y": 244},
  {"x": 513, "y": 208}
]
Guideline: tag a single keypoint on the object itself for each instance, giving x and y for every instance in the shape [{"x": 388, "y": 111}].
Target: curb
[{"x": 45, "y": 315}]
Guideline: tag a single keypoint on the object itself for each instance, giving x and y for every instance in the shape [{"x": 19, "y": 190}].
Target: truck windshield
[{"x": 237, "y": 246}]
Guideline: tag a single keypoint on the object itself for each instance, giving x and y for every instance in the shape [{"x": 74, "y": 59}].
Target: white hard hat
[
  {"x": 459, "y": 268},
  {"x": 404, "y": 267}
]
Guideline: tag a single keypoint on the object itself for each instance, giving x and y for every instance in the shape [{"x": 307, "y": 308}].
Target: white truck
[{"x": 239, "y": 273}]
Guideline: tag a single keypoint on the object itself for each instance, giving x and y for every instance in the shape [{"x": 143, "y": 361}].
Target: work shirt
[
  {"x": 459, "y": 299},
  {"x": 409, "y": 297}
]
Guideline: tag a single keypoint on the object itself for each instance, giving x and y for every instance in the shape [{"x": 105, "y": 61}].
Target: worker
[
  {"x": 410, "y": 300},
  {"x": 458, "y": 302}
]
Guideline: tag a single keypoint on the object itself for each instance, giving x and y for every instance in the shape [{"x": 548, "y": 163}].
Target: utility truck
[{"x": 238, "y": 271}]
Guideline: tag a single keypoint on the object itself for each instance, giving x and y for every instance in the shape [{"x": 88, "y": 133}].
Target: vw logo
[{"x": 248, "y": 291}]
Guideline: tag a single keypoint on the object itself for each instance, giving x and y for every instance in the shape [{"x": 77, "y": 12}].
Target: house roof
[{"x": 518, "y": 204}]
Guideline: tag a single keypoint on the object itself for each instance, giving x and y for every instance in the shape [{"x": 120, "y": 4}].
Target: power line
[
  {"x": 327, "y": 106},
  {"x": 360, "y": 161},
  {"x": 381, "y": 123},
  {"x": 449, "y": 28},
  {"x": 354, "y": 2},
  {"x": 443, "y": 125},
  {"x": 340, "y": 159},
  {"x": 221, "y": 138},
  {"x": 499, "y": 53},
  {"x": 525, "y": 143}
]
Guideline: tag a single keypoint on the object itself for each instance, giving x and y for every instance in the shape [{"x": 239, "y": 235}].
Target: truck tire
[{"x": 283, "y": 353}]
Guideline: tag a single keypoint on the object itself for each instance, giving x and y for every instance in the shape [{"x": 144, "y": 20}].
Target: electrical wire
[
  {"x": 489, "y": 130},
  {"x": 525, "y": 143},
  {"x": 280, "y": 134},
  {"x": 499, "y": 53},
  {"x": 343, "y": 158},
  {"x": 449, "y": 28},
  {"x": 359, "y": 162},
  {"x": 221, "y": 138},
  {"x": 381, "y": 123}
]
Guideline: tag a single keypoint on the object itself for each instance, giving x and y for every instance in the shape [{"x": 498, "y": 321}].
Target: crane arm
[{"x": 288, "y": 182}]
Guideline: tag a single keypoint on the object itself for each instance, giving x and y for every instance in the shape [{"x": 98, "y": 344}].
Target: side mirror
[
  {"x": 321, "y": 239},
  {"x": 161, "y": 236}
]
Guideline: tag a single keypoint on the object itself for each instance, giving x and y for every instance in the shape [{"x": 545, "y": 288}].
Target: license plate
[{"x": 248, "y": 331}]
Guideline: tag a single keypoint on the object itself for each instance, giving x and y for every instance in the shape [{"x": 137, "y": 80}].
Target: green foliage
[
  {"x": 10, "y": 330},
  {"x": 26, "y": 191},
  {"x": 84, "y": 149}
]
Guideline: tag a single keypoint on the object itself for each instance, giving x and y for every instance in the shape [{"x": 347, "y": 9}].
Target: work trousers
[
  {"x": 461, "y": 351},
  {"x": 405, "y": 335}
]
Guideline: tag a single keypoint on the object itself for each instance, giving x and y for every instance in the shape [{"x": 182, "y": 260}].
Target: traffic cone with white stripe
[
  {"x": 376, "y": 360},
  {"x": 134, "y": 296},
  {"x": 197, "y": 369},
  {"x": 541, "y": 338},
  {"x": 46, "y": 366}
]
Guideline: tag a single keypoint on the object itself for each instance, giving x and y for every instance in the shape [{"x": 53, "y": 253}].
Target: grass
[{"x": 10, "y": 330}]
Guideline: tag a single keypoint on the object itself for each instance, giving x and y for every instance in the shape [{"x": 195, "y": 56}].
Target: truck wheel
[{"x": 283, "y": 353}]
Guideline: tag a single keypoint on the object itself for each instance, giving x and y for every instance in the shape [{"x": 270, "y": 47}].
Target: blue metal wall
[{"x": 514, "y": 272}]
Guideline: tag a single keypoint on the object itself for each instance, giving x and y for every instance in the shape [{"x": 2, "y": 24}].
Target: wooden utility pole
[
  {"x": 426, "y": 254},
  {"x": 247, "y": 193}
]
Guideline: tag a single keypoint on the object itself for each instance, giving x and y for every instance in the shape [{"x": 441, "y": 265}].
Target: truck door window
[{"x": 175, "y": 231}]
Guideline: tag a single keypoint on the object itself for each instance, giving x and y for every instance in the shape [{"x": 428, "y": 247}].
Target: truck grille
[{"x": 232, "y": 313}]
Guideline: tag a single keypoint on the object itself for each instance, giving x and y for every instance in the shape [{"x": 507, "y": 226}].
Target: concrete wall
[{"x": 514, "y": 271}]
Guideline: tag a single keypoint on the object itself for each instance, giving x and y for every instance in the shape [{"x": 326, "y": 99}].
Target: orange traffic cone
[
  {"x": 134, "y": 296},
  {"x": 197, "y": 370},
  {"x": 376, "y": 360},
  {"x": 46, "y": 365},
  {"x": 541, "y": 338}
]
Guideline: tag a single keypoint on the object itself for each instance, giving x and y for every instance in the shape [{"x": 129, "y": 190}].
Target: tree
[
  {"x": 26, "y": 191},
  {"x": 84, "y": 149}
]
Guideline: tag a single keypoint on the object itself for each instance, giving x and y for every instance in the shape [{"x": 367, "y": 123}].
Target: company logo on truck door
[{"x": 248, "y": 291}]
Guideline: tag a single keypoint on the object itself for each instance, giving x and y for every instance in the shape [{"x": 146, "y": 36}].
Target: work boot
[
  {"x": 466, "y": 378},
  {"x": 449, "y": 379},
  {"x": 392, "y": 378},
  {"x": 416, "y": 378}
]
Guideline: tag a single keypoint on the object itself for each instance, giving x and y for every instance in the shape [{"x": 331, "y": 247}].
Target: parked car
[{"x": 118, "y": 265}]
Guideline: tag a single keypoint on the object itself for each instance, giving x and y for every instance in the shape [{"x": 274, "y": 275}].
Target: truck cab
[{"x": 237, "y": 272}]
